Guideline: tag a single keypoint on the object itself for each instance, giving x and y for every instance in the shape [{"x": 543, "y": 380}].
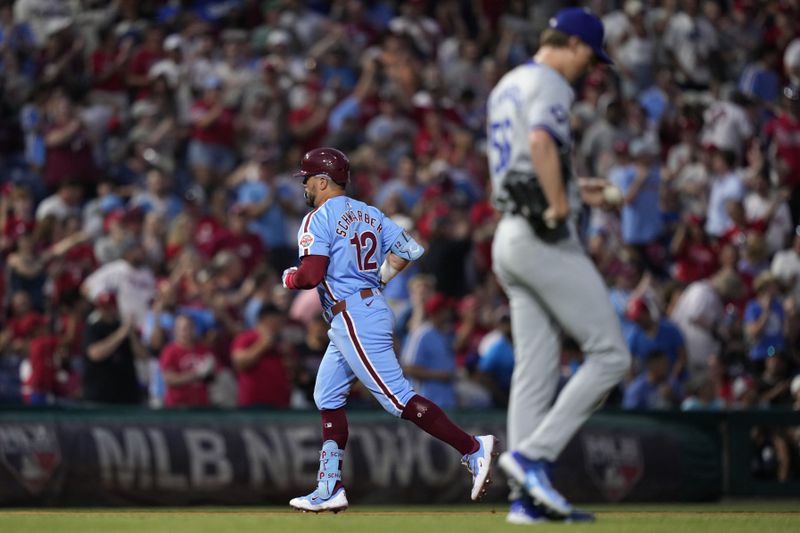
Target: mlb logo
[
  {"x": 31, "y": 453},
  {"x": 615, "y": 463}
]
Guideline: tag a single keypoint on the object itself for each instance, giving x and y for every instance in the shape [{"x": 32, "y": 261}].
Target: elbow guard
[{"x": 407, "y": 248}]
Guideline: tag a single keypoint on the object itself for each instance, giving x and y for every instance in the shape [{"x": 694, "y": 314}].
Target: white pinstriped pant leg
[{"x": 363, "y": 335}]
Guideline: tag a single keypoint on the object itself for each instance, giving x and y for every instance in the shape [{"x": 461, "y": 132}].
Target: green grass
[{"x": 731, "y": 517}]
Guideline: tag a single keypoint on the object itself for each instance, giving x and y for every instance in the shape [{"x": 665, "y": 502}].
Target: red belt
[{"x": 341, "y": 305}]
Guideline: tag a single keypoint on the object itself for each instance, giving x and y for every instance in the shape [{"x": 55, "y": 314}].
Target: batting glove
[{"x": 288, "y": 278}]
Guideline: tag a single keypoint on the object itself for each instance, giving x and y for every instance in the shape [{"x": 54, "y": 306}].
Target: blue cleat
[
  {"x": 314, "y": 503},
  {"x": 533, "y": 476},
  {"x": 578, "y": 516},
  {"x": 524, "y": 512},
  {"x": 479, "y": 465}
]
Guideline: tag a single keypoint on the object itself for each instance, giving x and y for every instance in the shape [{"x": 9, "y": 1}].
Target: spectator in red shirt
[
  {"x": 433, "y": 136},
  {"x": 40, "y": 372},
  {"x": 61, "y": 58},
  {"x": 187, "y": 366},
  {"x": 73, "y": 259},
  {"x": 109, "y": 62},
  {"x": 258, "y": 361},
  {"x": 695, "y": 257},
  {"x": 740, "y": 227},
  {"x": 16, "y": 215},
  {"x": 15, "y": 337},
  {"x": 211, "y": 150},
  {"x": 484, "y": 221},
  {"x": 69, "y": 149},
  {"x": 245, "y": 244},
  {"x": 145, "y": 57},
  {"x": 70, "y": 323},
  {"x": 201, "y": 228},
  {"x": 784, "y": 134},
  {"x": 308, "y": 118},
  {"x": 470, "y": 329}
]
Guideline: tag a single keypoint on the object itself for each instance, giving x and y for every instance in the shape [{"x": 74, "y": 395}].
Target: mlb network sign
[
  {"x": 274, "y": 459},
  {"x": 172, "y": 459},
  {"x": 180, "y": 463}
]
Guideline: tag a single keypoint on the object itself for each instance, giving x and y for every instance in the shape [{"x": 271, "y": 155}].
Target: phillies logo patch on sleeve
[{"x": 306, "y": 240}]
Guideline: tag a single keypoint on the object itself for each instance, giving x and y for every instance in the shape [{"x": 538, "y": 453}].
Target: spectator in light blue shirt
[
  {"x": 496, "y": 366},
  {"x": 270, "y": 205},
  {"x": 269, "y": 218},
  {"x": 17, "y": 41},
  {"x": 702, "y": 395},
  {"x": 639, "y": 183},
  {"x": 725, "y": 187},
  {"x": 651, "y": 389},
  {"x": 765, "y": 319},
  {"x": 403, "y": 184},
  {"x": 650, "y": 333},
  {"x": 625, "y": 283},
  {"x": 428, "y": 358},
  {"x": 411, "y": 315},
  {"x": 759, "y": 79},
  {"x": 159, "y": 322},
  {"x": 349, "y": 108},
  {"x": 157, "y": 197},
  {"x": 337, "y": 74},
  {"x": 32, "y": 119},
  {"x": 656, "y": 100}
]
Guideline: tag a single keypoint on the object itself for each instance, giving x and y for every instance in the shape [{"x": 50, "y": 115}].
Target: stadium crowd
[{"x": 147, "y": 206}]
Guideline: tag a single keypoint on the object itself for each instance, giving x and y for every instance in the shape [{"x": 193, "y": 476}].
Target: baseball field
[{"x": 730, "y": 517}]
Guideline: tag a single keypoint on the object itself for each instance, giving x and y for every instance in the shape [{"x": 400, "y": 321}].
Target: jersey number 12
[{"x": 366, "y": 244}]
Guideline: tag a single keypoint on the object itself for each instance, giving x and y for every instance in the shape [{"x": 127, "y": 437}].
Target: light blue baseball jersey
[{"x": 356, "y": 237}]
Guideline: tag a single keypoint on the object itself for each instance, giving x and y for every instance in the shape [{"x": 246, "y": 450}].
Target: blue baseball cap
[{"x": 585, "y": 26}]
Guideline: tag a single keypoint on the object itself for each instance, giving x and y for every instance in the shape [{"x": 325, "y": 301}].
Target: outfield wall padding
[{"x": 138, "y": 457}]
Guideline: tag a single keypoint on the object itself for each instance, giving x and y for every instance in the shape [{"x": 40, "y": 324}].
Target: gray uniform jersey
[{"x": 531, "y": 96}]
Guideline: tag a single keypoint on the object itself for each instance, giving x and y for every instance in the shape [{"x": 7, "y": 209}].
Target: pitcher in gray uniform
[{"x": 552, "y": 284}]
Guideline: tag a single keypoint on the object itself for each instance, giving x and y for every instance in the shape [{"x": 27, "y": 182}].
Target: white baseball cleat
[
  {"x": 312, "y": 503},
  {"x": 479, "y": 465}
]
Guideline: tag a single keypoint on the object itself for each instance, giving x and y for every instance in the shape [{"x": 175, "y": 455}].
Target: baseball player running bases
[
  {"x": 348, "y": 251},
  {"x": 551, "y": 283}
]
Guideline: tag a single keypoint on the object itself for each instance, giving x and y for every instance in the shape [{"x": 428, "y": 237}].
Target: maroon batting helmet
[{"x": 328, "y": 161}]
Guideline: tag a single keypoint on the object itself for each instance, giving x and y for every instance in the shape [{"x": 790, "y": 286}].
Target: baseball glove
[{"x": 528, "y": 200}]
